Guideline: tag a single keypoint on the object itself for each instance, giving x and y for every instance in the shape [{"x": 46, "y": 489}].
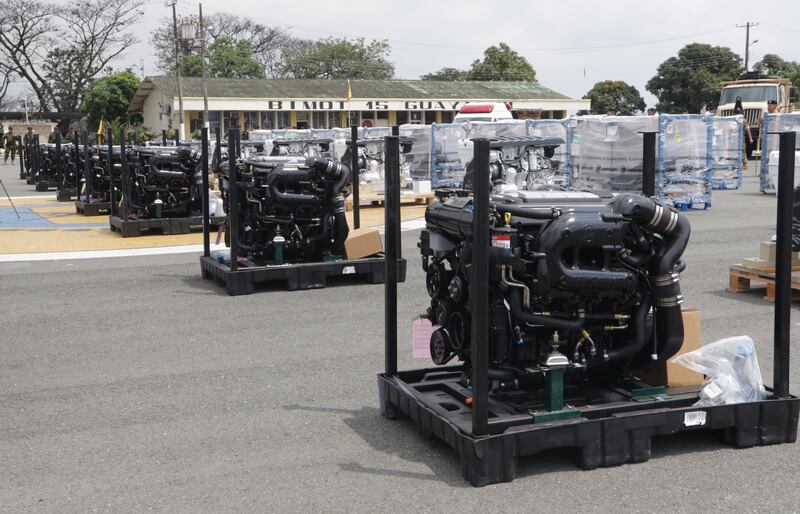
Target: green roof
[{"x": 318, "y": 88}]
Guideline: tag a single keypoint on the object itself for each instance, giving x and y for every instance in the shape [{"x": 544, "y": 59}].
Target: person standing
[
  {"x": 10, "y": 140},
  {"x": 747, "y": 134}
]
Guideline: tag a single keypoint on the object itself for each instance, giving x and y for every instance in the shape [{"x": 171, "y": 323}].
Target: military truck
[{"x": 755, "y": 91}]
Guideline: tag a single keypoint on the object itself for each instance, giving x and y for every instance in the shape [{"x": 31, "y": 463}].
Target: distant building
[{"x": 266, "y": 104}]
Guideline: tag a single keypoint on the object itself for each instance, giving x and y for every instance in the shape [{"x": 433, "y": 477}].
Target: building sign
[{"x": 362, "y": 105}]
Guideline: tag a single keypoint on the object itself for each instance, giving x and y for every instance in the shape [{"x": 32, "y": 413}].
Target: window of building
[
  {"x": 415, "y": 117},
  {"x": 282, "y": 120},
  {"x": 319, "y": 120},
  {"x": 252, "y": 120},
  {"x": 334, "y": 120},
  {"x": 213, "y": 121},
  {"x": 447, "y": 116},
  {"x": 267, "y": 119},
  {"x": 382, "y": 115},
  {"x": 303, "y": 119},
  {"x": 354, "y": 119},
  {"x": 430, "y": 117},
  {"x": 402, "y": 117},
  {"x": 230, "y": 119}
]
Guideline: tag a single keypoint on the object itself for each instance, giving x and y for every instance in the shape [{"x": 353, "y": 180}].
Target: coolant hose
[{"x": 520, "y": 314}]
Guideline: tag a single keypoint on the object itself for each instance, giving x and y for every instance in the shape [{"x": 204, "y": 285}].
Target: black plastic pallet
[
  {"x": 44, "y": 186},
  {"x": 92, "y": 209},
  {"x": 66, "y": 195},
  {"x": 605, "y": 435},
  {"x": 29, "y": 179},
  {"x": 310, "y": 275},
  {"x": 166, "y": 226}
]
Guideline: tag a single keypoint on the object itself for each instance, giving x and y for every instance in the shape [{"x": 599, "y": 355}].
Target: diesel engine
[
  {"x": 587, "y": 282},
  {"x": 517, "y": 163},
  {"x": 288, "y": 211},
  {"x": 164, "y": 182}
]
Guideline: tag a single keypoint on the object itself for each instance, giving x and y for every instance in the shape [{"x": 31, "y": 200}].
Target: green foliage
[
  {"x": 501, "y": 63},
  {"x": 615, "y": 95},
  {"x": 772, "y": 64},
  {"x": 338, "y": 58},
  {"x": 109, "y": 97},
  {"x": 691, "y": 81},
  {"x": 226, "y": 59},
  {"x": 447, "y": 74}
]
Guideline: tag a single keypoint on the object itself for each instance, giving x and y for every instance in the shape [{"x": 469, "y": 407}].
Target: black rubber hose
[
  {"x": 638, "y": 336},
  {"x": 519, "y": 314},
  {"x": 521, "y": 212}
]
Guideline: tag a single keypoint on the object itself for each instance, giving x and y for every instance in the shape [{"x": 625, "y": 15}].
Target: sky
[{"x": 572, "y": 44}]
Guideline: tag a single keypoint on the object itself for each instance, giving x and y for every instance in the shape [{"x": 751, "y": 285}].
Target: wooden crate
[{"x": 741, "y": 279}]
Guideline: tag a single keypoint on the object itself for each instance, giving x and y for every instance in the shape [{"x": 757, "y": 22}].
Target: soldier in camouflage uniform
[{"x": 11, "y": 144}]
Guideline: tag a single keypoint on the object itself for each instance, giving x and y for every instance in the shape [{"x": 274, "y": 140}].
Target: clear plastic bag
[{"x": 731, "y": 369}]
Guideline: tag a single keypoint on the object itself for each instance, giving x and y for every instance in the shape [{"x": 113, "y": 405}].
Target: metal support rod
[
  {"x": 124, "y": 173},
  {"x": 203, "y": 61},
  {"x": 22, "y": 157},
  {"x": 391, "y": 221},
  {"x": 206, "y": 195},
  {"x": 77, "y": 154},
  {"x": 396, "y": 132},
  {"x": 649, "y": 164},
  {"x": 479, "y": 290},
  {"x": 90, "y": 174},
  {"x": 86, "y": 163},
  {"x": 218, "y": 150},
  {"x": 233, "y": 198},
  {"x": 179, "y": 135},
  {"x": 783, "y": 264},
  {"x": 59, "y": 162},
  {"x": 356, "y": 176},
  {"x": 37, "y": 158},
  {"x": 110, "y": 138},
  {"x": 163, "y": 137}
]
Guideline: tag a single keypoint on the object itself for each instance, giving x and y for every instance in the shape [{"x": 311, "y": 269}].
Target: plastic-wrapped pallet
[
  {"x": 726, "y": 152},
  {"x": 420, "y": 155},
  {"x": 606, "y": 151},
  {"x": 561, "y": 157},
  {"x": 447, "y": 168},
  {"x": 684, "y": 160},
  {"x": 769, "y": 143}
]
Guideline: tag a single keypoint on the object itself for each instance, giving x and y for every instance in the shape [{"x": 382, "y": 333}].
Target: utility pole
[
  {"x": 747, "y": 26},
  {"x": 203, "y": 59},
  {"x": 181, "y": 132}
]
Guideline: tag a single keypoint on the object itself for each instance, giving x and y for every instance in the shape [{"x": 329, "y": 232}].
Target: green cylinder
[
  {"x": 278, "y": 242},
  {"x": 157, "y": 203}
]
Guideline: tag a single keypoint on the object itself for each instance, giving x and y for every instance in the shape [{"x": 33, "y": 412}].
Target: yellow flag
[
  {"x": 349, "y": 91},
  {"x": 100, "y": 131}
]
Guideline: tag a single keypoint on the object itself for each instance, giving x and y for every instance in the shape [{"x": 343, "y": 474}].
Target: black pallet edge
[
  {"x": 66, "y": 195},
  {"x": 310, "y": 275},
  {"x": 607, "y": 441},
  {"x": 166, "y": 226},
  {"x": 44, "y": 185},
  {"x": 93, "y": 208}
]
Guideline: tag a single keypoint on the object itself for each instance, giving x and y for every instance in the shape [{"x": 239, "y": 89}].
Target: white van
[{"x": 490, "y": 112}]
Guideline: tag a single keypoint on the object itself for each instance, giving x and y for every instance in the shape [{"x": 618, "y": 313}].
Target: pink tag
[{"x": 421, "y": 330}]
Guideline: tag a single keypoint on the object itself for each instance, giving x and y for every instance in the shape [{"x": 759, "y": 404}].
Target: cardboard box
[
  {"x": 363, "y": 242},
  {"x": 422, "y": 186},
  {"x": 675, "y": 375},
  {"x": 766, "y": 252}
]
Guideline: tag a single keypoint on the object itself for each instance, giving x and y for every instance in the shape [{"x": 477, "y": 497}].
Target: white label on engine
[
  {"x": 349, "y": 270},
  {"x": 501, "y": 241},
  {"x": 695, "y": 418}
]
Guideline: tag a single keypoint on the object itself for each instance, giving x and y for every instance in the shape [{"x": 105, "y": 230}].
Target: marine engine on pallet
[
  {"x": 165, "y": 182},
  {"x": 371, "y": 153},
  {"x": 517, "y": 163},
  {"x": 583, "y": 282},
  {"x": 288, "y": 211}
]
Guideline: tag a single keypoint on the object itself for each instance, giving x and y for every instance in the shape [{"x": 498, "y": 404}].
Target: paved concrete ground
[{"x": 132, "y": 384}]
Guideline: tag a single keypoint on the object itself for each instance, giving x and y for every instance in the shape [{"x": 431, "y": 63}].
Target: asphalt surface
[{"x": 130, "y": 384}]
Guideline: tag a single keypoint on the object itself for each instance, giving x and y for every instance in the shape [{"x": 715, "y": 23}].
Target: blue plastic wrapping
[
  {"x": 726, "y": 151},
  {"x": 769, "y": 143},
  {"x": 684, "y": 159}
]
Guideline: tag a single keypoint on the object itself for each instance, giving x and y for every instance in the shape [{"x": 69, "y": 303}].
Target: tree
[
  {"x": 501, "y": 63},
  {"x": 448, "y": 74},
  {"x": 108, "y": 98},
  {"x": 266, "y": 43},
  {"x": 615, "y": 95},
  {"x": 59, "y": 49},
  {"x": 691, "y": 81},
  {"x": 226, "y": 59},
  {"x": 772, "y": 64},
  {"x": 341, "y": 58}
]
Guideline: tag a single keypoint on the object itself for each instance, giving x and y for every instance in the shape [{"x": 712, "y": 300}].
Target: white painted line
[
  {"x": 100, "y": 254},
  {"x": 42, "y": 197}
]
